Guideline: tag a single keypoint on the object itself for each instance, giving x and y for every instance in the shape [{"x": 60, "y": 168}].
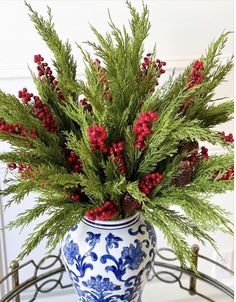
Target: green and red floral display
[{"x": 118, "y": 142}]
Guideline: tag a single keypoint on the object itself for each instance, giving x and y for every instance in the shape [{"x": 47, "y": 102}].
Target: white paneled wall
[{"x": 181, "y": 28}]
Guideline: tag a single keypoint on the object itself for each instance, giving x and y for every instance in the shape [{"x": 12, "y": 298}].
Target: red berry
[
  {"x": 196, "y": 77},
  {"x": 150, "y": 181},
  {"x": 142, "y": 128},
  {"x": 116, "y": 150},
  {"x": 204, "y": 153},
  {"x": 227, "y": 138},
  {"x": 74, "y": 161},
  {"x": 105, "y": 212},
  {"x": 12, "y": 166},
  {"x": 97, "y": 137},
  {"x": 85, "y": 104},
  {"x": 45, "y": 72}
]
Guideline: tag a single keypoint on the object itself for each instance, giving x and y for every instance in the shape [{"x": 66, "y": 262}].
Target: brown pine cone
[
  {"x": 188, "y": 146},
  {"x": 185, "y": 176},
  {"x": 185, "y": 105},
  {"x": 130, "y": 204}
]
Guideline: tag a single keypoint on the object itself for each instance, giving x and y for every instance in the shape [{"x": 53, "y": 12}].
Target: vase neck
[{"x": 112, "y": 224}]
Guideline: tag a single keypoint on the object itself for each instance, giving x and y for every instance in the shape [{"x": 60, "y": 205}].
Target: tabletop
[{"x": 168, "y": 282}]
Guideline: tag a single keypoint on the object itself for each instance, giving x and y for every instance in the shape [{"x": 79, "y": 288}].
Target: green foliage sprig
[{"x": 72, "y": 175}]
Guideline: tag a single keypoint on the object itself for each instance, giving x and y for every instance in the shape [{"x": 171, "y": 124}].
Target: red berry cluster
[
  {"x": 44, "y": 114},
  {"x": 204, "y": 153},
  {"x": 74, "y": 161},
  {"x": 17, "y": 129},
  {"x": 116, "y": 150},
  {"x": 227, "y": 176},
  {"x": 150, "y": 181},
  {"x": 97, "y": 137},
  {"x": 45, "y": 72},
  {"x": 75, "y": 196},
  {"x": 12, "y": 166},
  {"x": 39, "y": 109},
  {"x": 25, "y": 95},
  {"x": 142, "y": 128},
  {"x": 147, "y": 61},
  {"x": 102, "y": 78},
  {"x": 43, "y": 68},
  {"x": 105, "y": 212},
  {"x": 158, "y": 64},
  {"x": 196, "y": 77},
  {"x": 193, "y": 158},
  {"x": 23, "y": 169},
  {"x": 196, "y": 156},
  {"x": 38, "y": 59},
  {"x": 228, "y": 138},
  {"x": 85, "y": 104}
]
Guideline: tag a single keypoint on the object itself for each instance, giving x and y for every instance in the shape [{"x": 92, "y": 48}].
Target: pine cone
[
  {"x": 188, "y": 146},
  {"x": 130, "y": 204},
  {"x": 185, "y": 176},
  {"x": 185, "y": 105}
]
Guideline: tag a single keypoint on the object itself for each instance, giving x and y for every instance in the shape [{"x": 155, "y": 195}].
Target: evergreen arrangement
[{"x": 117, "y": 143}]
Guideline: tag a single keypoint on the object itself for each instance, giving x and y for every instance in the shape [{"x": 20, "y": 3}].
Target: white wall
[{"x": 181, "y": 28}]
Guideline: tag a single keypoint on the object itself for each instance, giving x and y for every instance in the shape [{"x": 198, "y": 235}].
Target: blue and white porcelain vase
[{"x": 109, "y": 261}]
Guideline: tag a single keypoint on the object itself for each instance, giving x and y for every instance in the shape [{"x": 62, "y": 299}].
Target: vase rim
[{"x": 113, "y": 224}]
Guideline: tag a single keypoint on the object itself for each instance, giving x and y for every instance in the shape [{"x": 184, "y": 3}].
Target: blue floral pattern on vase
[
  {"x": 101, "y": 284},
  {"x": 133, "y": 255},
  {"x": 100, "y": 290},
  {"x": 72, "y": 255},
  {"x": 107, "y": 264},
  {"x": 71, "y": 250},
  {"x": 92, "y": 238},
  {"x": 141, "y": 229},
  {"x": 112, "y": 241}
]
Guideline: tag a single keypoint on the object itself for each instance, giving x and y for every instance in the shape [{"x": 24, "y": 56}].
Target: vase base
[{"x": 139, "y": 300}]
